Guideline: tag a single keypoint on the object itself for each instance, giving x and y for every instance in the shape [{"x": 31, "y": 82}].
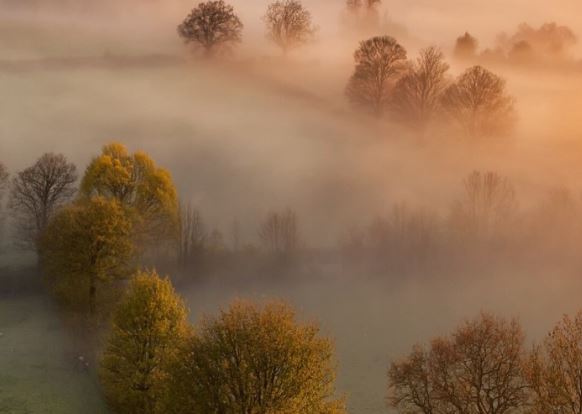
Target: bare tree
[
  {"x": 379, "y": 62},
  {"x": 417, "y": 94},
  {"x": 289, "y": 24},
  {"x": 554, "y": 369},
  {"x": 193, "y": 235},
  {"x": 479, "y": 102},
  {"x": 406, "y": 234},
  {"x": 476, "y": 370},
  {"x": 487, "y": 205},
  {"x": 38, "y": 192},
  {"x": 213, "y": 26},
  {"x": 279, "y": 232},
  {"x": 466, "y": 46}
]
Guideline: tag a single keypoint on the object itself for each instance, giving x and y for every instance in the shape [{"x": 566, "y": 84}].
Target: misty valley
[{"x": 290, "y": 207}]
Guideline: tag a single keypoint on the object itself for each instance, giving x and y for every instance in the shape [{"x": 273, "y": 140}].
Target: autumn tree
[
  {"x": 379, "y": 63},
  {"x": 86, "y": 245},
  {"x": 487, "y": 205},
  {"x": 466, "y": 46},
  {"x": 554, "y": 369},
  {"x": 416, "y": 97},
  {"x": 288, "y": 24},
  {"x": 479, "y": 102},
  {"x": 136, "y": 182},
  {"x": 475, "y": 370},
  {"x": 149, "y": 327},
  {"x": 253, "y": 359},
  {"x": 279, "y": 232},
  {"x": 212, "y": 26},
  {"x": 37, "y": 193}
]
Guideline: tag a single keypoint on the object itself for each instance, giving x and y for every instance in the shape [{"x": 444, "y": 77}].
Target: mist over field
[{"x": 256, "y": 132}]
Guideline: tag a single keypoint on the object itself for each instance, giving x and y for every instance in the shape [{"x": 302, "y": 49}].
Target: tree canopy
[
  {"x": 213, "y": 26},
  {"x": 554, "y": 369},
  {"x": 253, "y": 359},
  {"x": 379, "y": 63},
  {"x": 149, "y": 326},
  {"x": 37, "y": 192},
  {"x": 416, "y": 96},
  {"x": 475, "y": 370},
  {"x": 87, "y": 244},
  {"x": 478, "y": 101},
  {"x": 136, "y": 182},
  {"x": 288, "y": 24}
]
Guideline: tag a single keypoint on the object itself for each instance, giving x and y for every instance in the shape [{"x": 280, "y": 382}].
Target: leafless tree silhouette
[
  {"x": 479, "y": 102},
  {"x": 379, "y": 62},
  {"x": 289, "y": 24},
  {"x": 38, "y": 192},
  {"x": 416, "y": 97},
  {"x": 279, "y": 232}
]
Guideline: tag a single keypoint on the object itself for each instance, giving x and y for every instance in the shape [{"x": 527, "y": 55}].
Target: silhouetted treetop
[
  {"x": 37, "y": 192},
  {"x": 416, "y": 97},
  {"x": 466, "y": 46},
  {"x": 213, "y": 26},
  {"x": 479, "y": 102},
  {"x": 379, "y": 62},
  {"x": 289, "y": 24}
]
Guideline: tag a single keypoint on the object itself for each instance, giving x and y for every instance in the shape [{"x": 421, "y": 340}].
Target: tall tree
[
  {"x": 149, "y": 327},
  {"x": 379, "y": 62},
  {"x": 36, "y": 194},
  {"x": 279, "y": 232},
  {"x": 137, "y": 183},
  {"x": 193, "y": 236},
  {"x": 487, "y": 205},
  {"x": 478, "y": 101},
  {"x": 416, "y": 97},
  {"x": 288, "y": 24},
  {"x": 213, "y": 26},
  {"x": 554, "y": 369},
  {"x": 475, "y": 370},
  {"x": 86, "y": 245},
  {"x": 254, "y": 359}
]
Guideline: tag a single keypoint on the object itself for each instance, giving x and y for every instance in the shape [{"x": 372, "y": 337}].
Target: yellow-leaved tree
[
  {"x": 256, "y": 360},
  {"x": 138, "y": 183},
  {"x": 149, "y": 327},
  {"x": 86, "y": 245}
]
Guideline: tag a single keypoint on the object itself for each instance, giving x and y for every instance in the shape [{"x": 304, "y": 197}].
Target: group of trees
[
  {"x": 548, "y": 45},
  {"x": 214, "y": 27},
  {"x": 249, "y": 359},
  {"x": 384, "y": 81},
  {"x": 417, "y": 93},
  {"x": 483, "y": 367},
  {"x": 485, "y": 219},
  {"x": 91, "y": 236}
]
